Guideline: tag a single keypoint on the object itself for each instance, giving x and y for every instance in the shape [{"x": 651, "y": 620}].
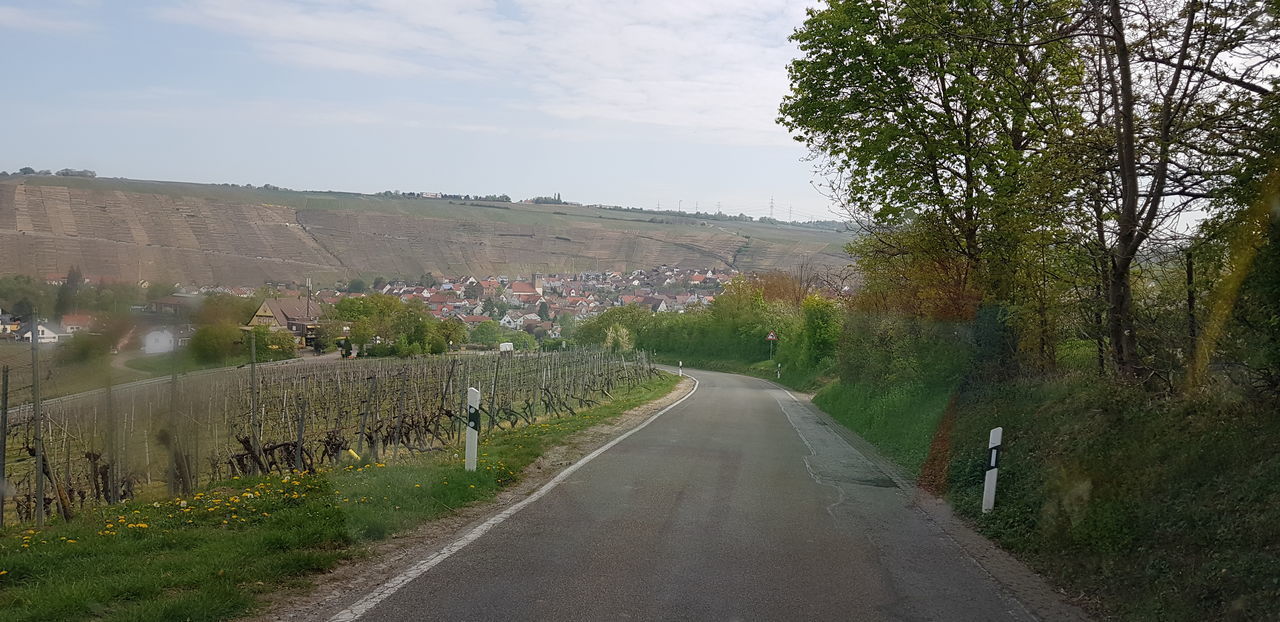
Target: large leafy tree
[{"x": 920, "y": 120}]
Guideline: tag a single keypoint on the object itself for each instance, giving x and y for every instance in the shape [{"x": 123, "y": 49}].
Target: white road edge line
[{"x": 393, "y": 585}]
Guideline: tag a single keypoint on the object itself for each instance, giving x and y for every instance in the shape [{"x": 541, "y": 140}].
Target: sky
[{"x": 642, "y": 103}]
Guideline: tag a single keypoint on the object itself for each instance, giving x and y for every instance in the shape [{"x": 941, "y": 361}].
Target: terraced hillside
[{"x": 207, "y": 234}]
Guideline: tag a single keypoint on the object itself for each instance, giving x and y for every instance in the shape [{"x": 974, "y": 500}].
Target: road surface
[{"x": 740, "y": 503}]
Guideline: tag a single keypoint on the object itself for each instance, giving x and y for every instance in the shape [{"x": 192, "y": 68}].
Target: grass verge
[{"x": 208, "y": 556}]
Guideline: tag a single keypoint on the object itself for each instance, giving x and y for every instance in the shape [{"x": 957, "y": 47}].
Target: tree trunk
[{"x": 1124, "y": 343}]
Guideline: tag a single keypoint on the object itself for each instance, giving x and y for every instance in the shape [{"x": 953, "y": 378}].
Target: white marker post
[
  {"x": 779, "y": 371},
  {"x": 681, "y": 369},
  {"x": 473, "y": 426},
  {"x": 993, "y": 469}
]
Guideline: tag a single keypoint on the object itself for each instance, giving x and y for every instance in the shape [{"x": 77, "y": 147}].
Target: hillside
[{"x": 208, "y": 234}]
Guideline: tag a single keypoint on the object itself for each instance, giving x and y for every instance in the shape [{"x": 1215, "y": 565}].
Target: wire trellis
[{"x": 179, "y": 433}]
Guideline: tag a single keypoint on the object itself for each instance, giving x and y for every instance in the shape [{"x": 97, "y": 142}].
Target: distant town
[{"x": 542, "y": 306}]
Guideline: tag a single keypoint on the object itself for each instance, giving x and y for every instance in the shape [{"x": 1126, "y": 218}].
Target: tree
[
  {"x": 568, "y": 324},
  {"x": 474, "y": 291},
  {"x": 486, "y": 333},
  {"x": 22, "y": 294},
  {"x": 226, "y": 309},
  {"x": 379, "y": 283},
  {"x": 521, "y": 340},
  {"x": 453, "y": 331},
  {"x": 428, "y": 280},
  {"x": 357, "y": 286},
  {"x": 436, "y": 344},
  {"x": 618, "y": 339},
  {"x": 26, "y": 170},
  {"x": 215, "y": 343},
  {"x": 274, "y": 345},
  {"x": 821, "y": 328},
  {"x": 544, "y": 311},
  {"x": 66, "y": 299},
  {"x": 918, "y": 126},
  {"x": 987, "y": 150},
  {"x": 361, "y": 334}
]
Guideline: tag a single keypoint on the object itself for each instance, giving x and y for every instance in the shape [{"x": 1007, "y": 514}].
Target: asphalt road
[{"x": 738, "y": 504}]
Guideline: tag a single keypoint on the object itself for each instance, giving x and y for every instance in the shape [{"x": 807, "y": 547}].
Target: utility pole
[
  {"x": 255, "y": 421},
  {"x": 37, "y": 416},
  {"x": 771, "y": 207},
  {"x": 4, "y": 435}
]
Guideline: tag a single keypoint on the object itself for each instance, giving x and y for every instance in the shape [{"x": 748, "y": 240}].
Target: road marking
[{"x": 393, "y": 585}]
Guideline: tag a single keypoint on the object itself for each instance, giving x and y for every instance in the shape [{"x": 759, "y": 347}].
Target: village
[{"x": 538, "y": 304}]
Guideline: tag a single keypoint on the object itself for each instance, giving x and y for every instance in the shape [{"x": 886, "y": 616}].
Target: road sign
[
  {"x": 993, "y": 469},
  {"x": 772, "y": 336}
]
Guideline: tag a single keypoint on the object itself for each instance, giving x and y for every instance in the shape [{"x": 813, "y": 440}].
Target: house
[
  {"x": 44, "y": 334},
  {"x": 520, "y": 287},
  {"x": 75, "y": 322},
  {"x": 512, "y": 319},
  {"x": 299, "y": 316},
  {"x": 9, "y": 324},
  {"x": 159, "y": 341}
]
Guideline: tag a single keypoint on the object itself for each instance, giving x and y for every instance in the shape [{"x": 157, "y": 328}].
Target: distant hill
[{"x": 212, "y": 234}]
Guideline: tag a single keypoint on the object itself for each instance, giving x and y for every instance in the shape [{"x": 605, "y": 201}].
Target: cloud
[
  {"x": 39, "y": 21},
  {"x": 715, "y": 68}
]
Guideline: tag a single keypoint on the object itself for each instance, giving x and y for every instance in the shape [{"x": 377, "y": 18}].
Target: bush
[
  {"x": 83, "y": 347},
  {"x": 216, "y": 343}
]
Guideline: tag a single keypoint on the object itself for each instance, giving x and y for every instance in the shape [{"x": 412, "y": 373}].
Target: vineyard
[{"x": 117, "y": 444}]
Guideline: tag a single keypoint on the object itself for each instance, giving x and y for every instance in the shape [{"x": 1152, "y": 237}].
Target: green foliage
[
  {"x": 731, "y": 331},
  {"x": 357, "y": 286},
  {"x": 453, "y": 331},
  {"x": 20, "y": 294},
  {"x": 1162, "y": 509},
  {"x": 273, "y": 345},
  {"x": 65, "y": 301},
  {"x": 215, "y": 343},
  {"x": 521, "y": 340},
  {"x": 83, "y": 346},
  {"x": 226, "y": 309},
  {"x": 486, "y": 334},
  {"x": 821, "y": 328},
  {"x": 618, "y": 339},
  {"x": 404, "y": 329},
  {"x": 554, "y": 344}
]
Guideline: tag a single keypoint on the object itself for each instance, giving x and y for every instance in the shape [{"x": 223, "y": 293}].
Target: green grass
[
  {"x": 160, "y": 364},
  {"x": 66, "y": 378},
  {"x": 209, "y": 556},
  {"x": 899, "y": 420},
  {"x": 1163, "y": 508}
]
